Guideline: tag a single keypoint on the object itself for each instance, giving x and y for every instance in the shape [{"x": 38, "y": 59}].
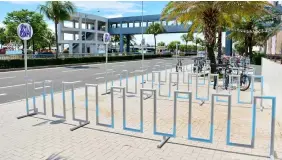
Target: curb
[{"x": 66, "y": 65}]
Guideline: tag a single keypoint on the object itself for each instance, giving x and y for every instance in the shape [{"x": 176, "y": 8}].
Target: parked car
[{"x": 45, "y": 55}]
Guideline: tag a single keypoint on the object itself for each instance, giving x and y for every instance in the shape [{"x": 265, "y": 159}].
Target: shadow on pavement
[{"x": 157, "y": 140}]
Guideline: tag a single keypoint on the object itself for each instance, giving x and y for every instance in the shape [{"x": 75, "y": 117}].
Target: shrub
[
  {"x": 19, "y": 63},
  {"x": 256, "y": 58}
]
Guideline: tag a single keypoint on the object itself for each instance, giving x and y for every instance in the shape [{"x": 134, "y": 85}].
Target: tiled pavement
[{"x": 45, "y": 137}]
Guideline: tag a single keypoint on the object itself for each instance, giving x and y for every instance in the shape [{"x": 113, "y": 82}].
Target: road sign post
[
  {"x": 25, "y": 32},
  {"x": 106, "y": 40}
]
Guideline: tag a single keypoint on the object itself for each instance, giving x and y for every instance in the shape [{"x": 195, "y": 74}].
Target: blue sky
[{"x": 109, "y": 9}]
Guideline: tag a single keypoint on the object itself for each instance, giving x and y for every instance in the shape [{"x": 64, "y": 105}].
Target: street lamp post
[
  {"x": 85, "y": 35},
  {"x": 142, "y": 40}
]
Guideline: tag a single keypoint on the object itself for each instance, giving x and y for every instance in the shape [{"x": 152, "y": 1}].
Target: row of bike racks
[{"x": 153, "y": 91}]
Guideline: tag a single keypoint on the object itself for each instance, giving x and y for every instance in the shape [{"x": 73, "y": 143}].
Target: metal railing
[{"x": 50, "y": 56}]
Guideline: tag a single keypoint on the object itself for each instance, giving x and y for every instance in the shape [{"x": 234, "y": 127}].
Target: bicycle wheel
[{"x": 245, "y": 82}]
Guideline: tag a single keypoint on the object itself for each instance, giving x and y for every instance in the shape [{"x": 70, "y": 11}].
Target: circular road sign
[
  {"x": 24, "y": 31},
  {"x": 106, "y": 38}
]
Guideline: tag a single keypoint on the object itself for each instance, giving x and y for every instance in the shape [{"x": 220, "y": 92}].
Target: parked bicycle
[
  {"x": 179, "y": 65},
  {"x": 227, "y": 69}
]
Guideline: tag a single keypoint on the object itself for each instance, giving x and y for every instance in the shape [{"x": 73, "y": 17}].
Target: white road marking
[
  {"x": 41, "y": 87},
  {"x": 3, "y": 94},
  {"x": 8, "y": 77},
  {"x": 74, "y": 70},
  {"x": 99, "y": 77},
  {"x": 98, "y": 73},
  {"x": 12, "y": 86}
]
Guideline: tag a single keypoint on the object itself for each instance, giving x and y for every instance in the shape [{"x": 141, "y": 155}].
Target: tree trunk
[
  {"x": 196, "y": 47},
  {"x": 210, "y": 24},
  {"x": 265, "y": 47},
  {"x": 50, "y": 46},
  {"x": 250, "y": 46},
  {"x": 57, "y": 44},
  {"x": 155, "y": 44},
  {"x": 219, "y": 45},
  {"x": 246, "y": 45},
  {"x": 210, "y": 49},
  {"x": 186, "y": 47},
  {"x": 33, "y": 48}
]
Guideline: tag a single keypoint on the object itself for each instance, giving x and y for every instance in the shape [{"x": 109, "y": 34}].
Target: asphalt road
[{"x": 12, "y": 84}]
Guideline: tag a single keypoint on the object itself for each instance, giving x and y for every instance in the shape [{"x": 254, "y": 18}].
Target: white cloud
[
  {"x": 51, "y": 25},
  {"x": 2, "y": 25},
  {"x": 113, "y": 6},
  {"x": 113, "y": 16},
  {"x": 26, "y": 2}
]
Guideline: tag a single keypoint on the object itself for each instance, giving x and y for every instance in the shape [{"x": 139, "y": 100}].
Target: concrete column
[
  {"x": 80, "y": 22},
  {"x": 127, "y": 43},
  {"x": 73, "y": 37},
  {"x": 228, "y": 44},
  {"x": 121, "y": 43},
  {"x": 73, "y": 24},
  {"x": 62, "y": 48},
  {"x": 70, "y": 48},
  {"x": 96, "y": 25}
]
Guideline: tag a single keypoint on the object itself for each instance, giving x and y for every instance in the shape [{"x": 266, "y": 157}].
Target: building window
[
  {"x": 164, "y": 23},
  {"x": 118, "y": 25},
  {"x": 101, "y": 26},
  {"x": 113, "y": 25},
  {"x": 144, "y": 24},
  {"x": 137, "y": 24},
  {"x": 130, "y": 25},
  {"x": 124, "y": 25},
  {"x": 149, "y": 23},
  {"x": 171, "y": 23}
]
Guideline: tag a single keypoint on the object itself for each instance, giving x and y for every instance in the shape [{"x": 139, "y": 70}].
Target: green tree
[
  {"x": 57, "y": 11},
  {"x": 172, "y": 45},
  {"x": 208, "y": 15},
  {"x": 252, "y": 31},
  {"x": 161, "y": 44},
  {"x": 155, "y": 29},
  {"x": 13, "y": 19},
  {"x": 186, "y": 38},
  {"x": 3, "y": 38}
]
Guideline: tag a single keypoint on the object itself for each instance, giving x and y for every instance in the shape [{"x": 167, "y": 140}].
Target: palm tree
[
  {"x": 57, "y": 11},
  {"x": 161, "y": 44},
  {"x": 208, "y": 15},
  {"x": 186, "y": 38},
  {"x": 155, "y": 29}
]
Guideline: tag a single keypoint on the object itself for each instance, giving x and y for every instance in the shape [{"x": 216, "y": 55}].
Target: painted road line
[
  {"x": 99, "y": 77},
  {"x": 98, "y": 73},
  {"x": 41, "y": 87},
  {"x": 74, "y": 70},
  {"x": 3, "y": 94},
  {"x": 8, "y": 77},
  {"x": 18, "y": 85}
]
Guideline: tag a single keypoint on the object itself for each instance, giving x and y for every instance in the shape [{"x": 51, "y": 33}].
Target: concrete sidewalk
[{"x": 46, "y": 137}]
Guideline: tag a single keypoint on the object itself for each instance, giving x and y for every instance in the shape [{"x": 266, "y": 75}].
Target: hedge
[
  {"x": 256, "y": 58},
  {"x": 19, "y": 63}
]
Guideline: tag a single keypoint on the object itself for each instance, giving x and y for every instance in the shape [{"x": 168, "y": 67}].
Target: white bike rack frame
[
  {"x": 261, "y": 88},
  {"x": 82, "y": 123},
  {"x": 28, "y": 114},
  {"x": 44, "y": 95},
  {"x": 273, "y": 113},
  {"x": 170, "y": 82}
]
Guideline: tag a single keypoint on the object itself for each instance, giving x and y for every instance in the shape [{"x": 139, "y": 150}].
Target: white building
[{"x": 71, "y": 34}]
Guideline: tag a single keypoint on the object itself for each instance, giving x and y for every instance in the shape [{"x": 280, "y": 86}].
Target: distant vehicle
[
  {"x": 3, "y": 50},
  {"x": 45, "y": 55}
]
